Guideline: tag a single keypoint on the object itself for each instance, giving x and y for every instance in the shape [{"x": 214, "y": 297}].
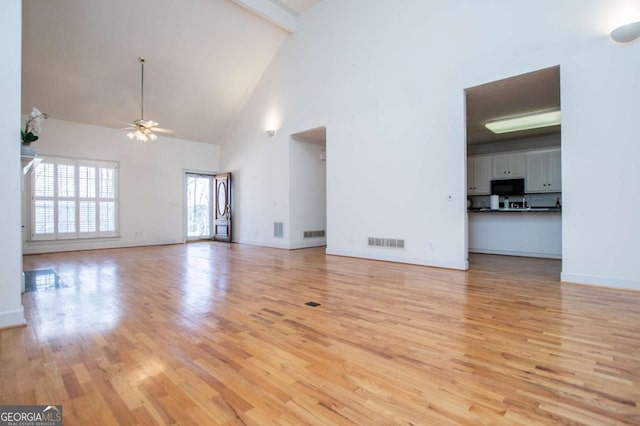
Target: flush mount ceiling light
[
  {"x": 626, "y": 33},
  {"x": 141, "y": 129},
  {"x": 524, "y": 122}
]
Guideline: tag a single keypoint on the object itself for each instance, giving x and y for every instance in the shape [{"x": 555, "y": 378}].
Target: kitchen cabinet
[
  {"x": 478, "y": 175},
  {"x": 543, "y": 171},
  {"x": 509, "y": 166}
]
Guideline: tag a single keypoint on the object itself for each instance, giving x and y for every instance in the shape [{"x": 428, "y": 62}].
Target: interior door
[{"x": 222, "y": 214}]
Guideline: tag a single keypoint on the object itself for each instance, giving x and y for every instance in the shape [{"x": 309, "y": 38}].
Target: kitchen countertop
[{"x": 517, "y": 210}]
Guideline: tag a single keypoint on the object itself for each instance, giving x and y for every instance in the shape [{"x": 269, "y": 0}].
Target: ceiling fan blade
[{"x": 161, "y": 130}]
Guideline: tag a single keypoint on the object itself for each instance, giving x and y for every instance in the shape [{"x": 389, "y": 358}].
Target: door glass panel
[
  {"x": 199, "y": 206},
  {"x": 222, "y": 199}
]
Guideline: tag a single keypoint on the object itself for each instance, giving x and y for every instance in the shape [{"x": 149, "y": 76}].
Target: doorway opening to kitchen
[{"x": 513, "y": 149}]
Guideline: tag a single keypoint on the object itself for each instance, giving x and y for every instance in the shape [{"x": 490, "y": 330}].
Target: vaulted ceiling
[{"x": 203, "y": 59}]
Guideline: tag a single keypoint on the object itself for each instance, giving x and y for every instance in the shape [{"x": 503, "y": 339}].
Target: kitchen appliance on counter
[
  {"x": 507, "y": 187},
  {"x": 495, "y": 202}
]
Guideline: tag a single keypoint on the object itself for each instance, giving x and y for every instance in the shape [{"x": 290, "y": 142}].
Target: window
[{"x": 72, "y": 199}]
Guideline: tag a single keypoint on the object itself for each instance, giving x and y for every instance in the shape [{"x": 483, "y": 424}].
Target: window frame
[{"x": 97, "y": 200}]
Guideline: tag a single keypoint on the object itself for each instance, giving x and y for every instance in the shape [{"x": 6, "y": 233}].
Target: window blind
[{"x": 74, "y": 199}]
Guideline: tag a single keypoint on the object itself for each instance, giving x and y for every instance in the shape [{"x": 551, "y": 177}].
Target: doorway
[
  {"x": 208, "y": 206},
  {"x": 308, "y": 188},
  {"x": 514, "y": 189}
]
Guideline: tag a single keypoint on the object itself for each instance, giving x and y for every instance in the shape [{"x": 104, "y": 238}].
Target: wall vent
[
  {"x": 313, "y": 234},
  {"x": 385, "y": 242},
  {"x": 278, "y": 229}
]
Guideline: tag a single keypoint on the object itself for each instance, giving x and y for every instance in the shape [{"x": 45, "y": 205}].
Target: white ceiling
[{"x": 204, "y": 57}]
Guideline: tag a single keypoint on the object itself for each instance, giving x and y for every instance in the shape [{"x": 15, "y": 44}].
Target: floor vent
[
  {"x": 313, "y": 234},
  {"x": 278, "y": 229},
  {"x": 385, "y": 242}
]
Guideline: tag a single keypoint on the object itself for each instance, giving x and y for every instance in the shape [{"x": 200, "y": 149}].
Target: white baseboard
[
  {"x": 309, "y": 244},
  {"x": 437, "y": 263},
  {"x": 517, "y": 253},
  {"x": 262, "y": 244},
  {"x": 12, "y": 318},
  {"x": 64, "y": 246},
  {"x": 600, "y": 281},
  {"x": 285, "y": 246}
]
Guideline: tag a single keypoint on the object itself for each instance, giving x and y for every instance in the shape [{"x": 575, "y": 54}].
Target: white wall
[
  {"x": 11, "y": 310},
  {"x": 260, "y": 168},
  {"x": 151, "y": 180},
  {"x": 600, "y": 156},
  {"x": 388, "y": 80},
  {"x": 308, "y": 188}
]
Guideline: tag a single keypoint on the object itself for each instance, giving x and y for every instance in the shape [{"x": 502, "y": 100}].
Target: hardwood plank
[{"x": 211, "y": 333}]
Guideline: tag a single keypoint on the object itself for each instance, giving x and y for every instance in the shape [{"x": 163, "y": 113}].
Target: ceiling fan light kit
[
  {"x": 524, "y": 122},
  {"x": 141, "y": 129}
]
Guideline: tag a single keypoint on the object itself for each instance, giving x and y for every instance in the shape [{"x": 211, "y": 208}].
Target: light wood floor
[{"x": 212, "y": 333}]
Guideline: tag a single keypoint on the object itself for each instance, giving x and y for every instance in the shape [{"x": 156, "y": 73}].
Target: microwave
[{"x": 507, "y": 187}]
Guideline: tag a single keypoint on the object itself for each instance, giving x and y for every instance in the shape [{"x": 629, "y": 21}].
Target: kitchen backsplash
[{"x": 533, "y": 200}]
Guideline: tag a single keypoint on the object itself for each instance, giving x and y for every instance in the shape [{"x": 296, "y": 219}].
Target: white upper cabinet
[
  {"x": 543, "y": 171},
  {"x": 478, "y": 175},
  {"x": 509, "y": 166},
  {"x": 555, "y": 171}
]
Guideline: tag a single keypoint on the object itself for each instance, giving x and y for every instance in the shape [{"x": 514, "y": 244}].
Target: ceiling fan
[{"x": 141, "y": 129}]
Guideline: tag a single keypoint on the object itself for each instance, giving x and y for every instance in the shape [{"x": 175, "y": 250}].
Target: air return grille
[
  {"x": 278, "y": 229},
  {"x": 385, "y": 242},
  {"x": 313, "y": 234}
]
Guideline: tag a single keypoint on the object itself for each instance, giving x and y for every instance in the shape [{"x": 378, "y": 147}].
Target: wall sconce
[
  {"x": 271, "y": 133},
  {"x": 627, "y": 33}
]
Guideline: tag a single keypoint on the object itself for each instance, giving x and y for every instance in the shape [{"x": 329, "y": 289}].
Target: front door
[{"x": 222, "y": 213}]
